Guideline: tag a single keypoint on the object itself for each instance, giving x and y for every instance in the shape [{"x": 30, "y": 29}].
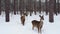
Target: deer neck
[{"x": 41, "y": 20}]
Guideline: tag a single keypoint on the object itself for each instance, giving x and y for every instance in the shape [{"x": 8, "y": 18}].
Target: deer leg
[
  {"x": 33, "y": 27},
  {"x": 23, "y": 21},
  {"x": 38, "y": 29}
]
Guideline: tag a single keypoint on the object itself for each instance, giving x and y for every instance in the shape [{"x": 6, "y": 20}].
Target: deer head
[{"x": 41, "y": 17}]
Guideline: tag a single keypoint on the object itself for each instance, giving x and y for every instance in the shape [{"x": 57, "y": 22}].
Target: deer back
[{"x": 35, "y": 23}]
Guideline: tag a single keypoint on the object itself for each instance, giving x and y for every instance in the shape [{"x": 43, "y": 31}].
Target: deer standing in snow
[
  {"x": 38, "y": 24},
  {"x": 23, "y": 18}
]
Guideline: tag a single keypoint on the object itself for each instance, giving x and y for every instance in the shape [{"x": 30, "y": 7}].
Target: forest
[{"x": 25, "y": 6}]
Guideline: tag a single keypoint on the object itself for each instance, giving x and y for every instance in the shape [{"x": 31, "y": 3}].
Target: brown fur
[
  {"x": 22, "y": 19},
  {"x": 38, "y": 24}
]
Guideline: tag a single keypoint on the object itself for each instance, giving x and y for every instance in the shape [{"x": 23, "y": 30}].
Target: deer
[
  {"x": 22, "y": 19},
  {"x": 38, "y": 24}
]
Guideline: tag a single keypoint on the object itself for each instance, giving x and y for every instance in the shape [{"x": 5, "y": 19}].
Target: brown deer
[
  {"x": 23, "y": 19},
  {"x": 38, "y": 24}
]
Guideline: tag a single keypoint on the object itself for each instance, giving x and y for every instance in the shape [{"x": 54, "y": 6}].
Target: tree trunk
[
  {"x": 7, "y": 8},
  {"x": 55, "y": 7},
  {"x": 51, "y": 6},
  {"x": 35, "y": 7},
  {"x": 46, "y": 4},
  {"x": 14, "y": 7},
  {"x": 39, "y": 6},
  {"x": 58, "y": 6},
  {"x": 21, "y": 6},
  {"x": 0, "y": 7}
]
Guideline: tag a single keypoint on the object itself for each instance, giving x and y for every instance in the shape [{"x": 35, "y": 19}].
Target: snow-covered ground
[{"x": 15, "y": 26}]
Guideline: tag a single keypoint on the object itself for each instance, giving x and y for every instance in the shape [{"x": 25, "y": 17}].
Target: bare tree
[
  {"x": 39, "y": 6},
  {"x": 46, "y": 4},
  {"x": 55, "y": 7},
  {"x": 7, "y": 8},
  {"x": 29, "y": 6},
  {"x": 11, "y": 6},
  {"x": 35, "y": 6},
  {"x": 0, "y": 7},
  {"x": 58, "y": 6},
  {"x": 51, "y": 6},
  {"x": 15, "y": 7},
  {"x": 21, "y": 6}
]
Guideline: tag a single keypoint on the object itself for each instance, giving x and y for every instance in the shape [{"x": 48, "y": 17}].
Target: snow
[{"x": 15, "y": 26}]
